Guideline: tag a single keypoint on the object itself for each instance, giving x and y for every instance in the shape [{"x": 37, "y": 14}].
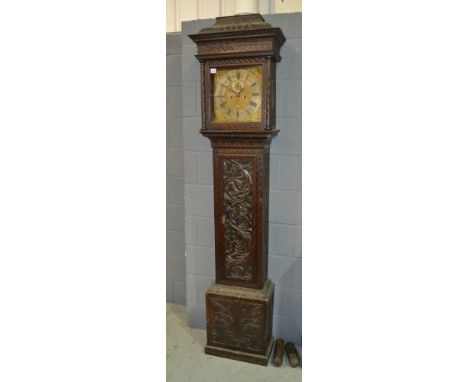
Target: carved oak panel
[
  {"x": 236, "y": 47},
  {"x": 237, "y": 324},
  {"x": 238, "y": 218},
  {"x": 241, "y": 216}
]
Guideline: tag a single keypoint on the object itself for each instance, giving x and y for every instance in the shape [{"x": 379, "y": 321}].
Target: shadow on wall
[
  {"x": 287, "y": 309},
  {"x": 175, "y": 224}
]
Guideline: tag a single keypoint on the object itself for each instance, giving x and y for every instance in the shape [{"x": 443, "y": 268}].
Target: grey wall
[
  {"x": 175, "y": 228},
  {"x": 285, "y": 185}
]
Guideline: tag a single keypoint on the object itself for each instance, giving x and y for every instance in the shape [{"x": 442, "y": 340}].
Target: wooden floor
[{"x": 186, "y": 360}]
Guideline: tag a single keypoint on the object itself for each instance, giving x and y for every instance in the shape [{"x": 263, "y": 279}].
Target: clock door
[{"x": 236, "y": 214}]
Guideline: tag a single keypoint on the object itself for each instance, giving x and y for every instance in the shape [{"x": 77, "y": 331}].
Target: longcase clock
[{"x": 238, "y": 56}]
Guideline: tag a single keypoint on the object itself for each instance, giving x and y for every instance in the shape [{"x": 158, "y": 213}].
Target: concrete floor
[{"x": 186, "y": 360}]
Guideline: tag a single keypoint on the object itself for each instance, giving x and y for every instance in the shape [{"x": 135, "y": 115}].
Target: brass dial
[{"x": 238, "y": 95}]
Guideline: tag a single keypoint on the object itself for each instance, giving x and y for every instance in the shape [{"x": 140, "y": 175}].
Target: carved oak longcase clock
[{"x": 237, "y": 57}]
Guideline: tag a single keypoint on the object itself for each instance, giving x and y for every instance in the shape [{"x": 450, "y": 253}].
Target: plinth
[{"x": 239, "y": 322}]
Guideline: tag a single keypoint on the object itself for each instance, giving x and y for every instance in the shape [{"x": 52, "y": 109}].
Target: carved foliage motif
[
  {"x": 242, "y": 46},
  {"x": 238, "y": 324},
  {"x": 238, "y": 219},
  {"x": 237, "y": 61}
]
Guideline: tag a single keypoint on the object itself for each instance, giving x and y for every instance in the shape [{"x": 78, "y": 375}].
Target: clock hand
[
  {"x": 228, "y": 88},
  {"x": 240, "y": 91}
]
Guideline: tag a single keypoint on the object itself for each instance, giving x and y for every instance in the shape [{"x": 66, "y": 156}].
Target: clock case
[
  {"x": 232, "y": 42},
  {"x": 239, "y": 305}
]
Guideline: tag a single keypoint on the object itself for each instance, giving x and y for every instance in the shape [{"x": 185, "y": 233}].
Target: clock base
[
  {"x": 239, "y": 322},
  {"x": 239, "y": 355}
]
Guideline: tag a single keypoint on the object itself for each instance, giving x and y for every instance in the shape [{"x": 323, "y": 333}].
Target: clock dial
[{"x": 238, "y": 95}]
